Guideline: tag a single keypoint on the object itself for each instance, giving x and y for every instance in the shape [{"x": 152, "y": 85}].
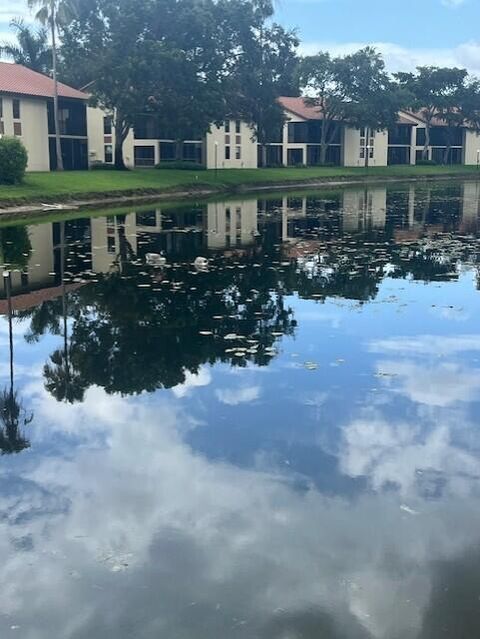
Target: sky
[{"x": 408, "y": 33}]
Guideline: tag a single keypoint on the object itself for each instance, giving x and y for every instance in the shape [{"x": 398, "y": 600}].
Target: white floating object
[
  {"x": 408, "y": 510},
  {"x": 155, "y": 259},
  {"x": 201, "y": 263}
]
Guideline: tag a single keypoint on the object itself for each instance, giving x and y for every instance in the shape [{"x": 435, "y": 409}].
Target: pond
[{"x": 279, "y": 440}]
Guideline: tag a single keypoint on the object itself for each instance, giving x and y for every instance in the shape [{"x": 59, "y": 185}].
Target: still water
[{"x": 281, "y": 445}]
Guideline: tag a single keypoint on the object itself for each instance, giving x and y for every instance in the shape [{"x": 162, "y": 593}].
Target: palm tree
[
  {"x": 32, "y": 49},
  {"x": 54, "y": 13},
  {"x": 62, "y": 381},
  {"x": 12, "y": 414}
]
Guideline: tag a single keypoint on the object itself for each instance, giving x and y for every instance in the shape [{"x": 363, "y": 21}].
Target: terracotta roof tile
[
  {"x": 299, "y": 107},
  {"x": 17, "y": 79},
  {"x": 24, "y": 301},
  {"x": 302, "y": 109}
]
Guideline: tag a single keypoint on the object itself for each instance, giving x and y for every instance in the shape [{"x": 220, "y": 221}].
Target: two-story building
[
  {"x": 26, "y": 111},
  {"x": 299, "y": 141},
  {"x": 231, "y": 145}
]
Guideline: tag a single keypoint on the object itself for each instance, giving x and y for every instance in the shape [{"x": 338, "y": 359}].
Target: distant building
[
  {"x": 26, "y": 112},
  {"x": 229, "y": 146},
  {"x": 88, "y": 137},
  {"x": 299, "y": 141}
]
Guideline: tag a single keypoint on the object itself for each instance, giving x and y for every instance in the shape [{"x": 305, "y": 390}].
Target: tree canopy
[
  {"x": 32, "y": 49},
  {"x": 354, "y": 89}
]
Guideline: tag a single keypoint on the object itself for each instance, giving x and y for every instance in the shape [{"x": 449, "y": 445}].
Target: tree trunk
[
  {"x": 179, "y": 150},
  {"x": 323, "y": 143},
  {"x": 263, "y": 155},
  {"x": 323, "y": 153},
  {"x": 367, "y": 149},
  {"x": 58, "y": 144},
  {"x": 119, "y": 161},
  {"x": 446, "y": 155},
  {"x": 427, "y": 142},
  {"x": 121, "y": 132}
]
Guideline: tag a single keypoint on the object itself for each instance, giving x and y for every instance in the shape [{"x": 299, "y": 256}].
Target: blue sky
[{"x": 411, "y": 32}]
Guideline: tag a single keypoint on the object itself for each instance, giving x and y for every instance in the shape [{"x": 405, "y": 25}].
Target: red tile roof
[
  {"x": 24, "y": 301},
  {"x": 300, "y": 107},
  {"x": 17, "y": 79}
]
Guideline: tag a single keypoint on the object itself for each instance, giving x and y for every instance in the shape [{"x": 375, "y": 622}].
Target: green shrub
[
  {"x": 426, "y": 163},
  {"x": 13, "y": 160},
  {"x": 180, "y": 165}
]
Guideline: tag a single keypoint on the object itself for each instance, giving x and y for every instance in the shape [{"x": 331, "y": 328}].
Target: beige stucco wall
[
  {"x": 248, "y": 144},
  {"x": 351, "y": 148},
  {"x": 33, "y": 117},
  {"x": 104, "y": 255},
  {"x": 96, "y": 139},
  {"x": 472, "y": 147},
  {"x": 364, "y": 208},
  {"x": 96, "y": 152},
  {"x": 231, "y": 224}
]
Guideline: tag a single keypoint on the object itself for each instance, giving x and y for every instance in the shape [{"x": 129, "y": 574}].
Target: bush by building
[{"x": 13, "y": 160}]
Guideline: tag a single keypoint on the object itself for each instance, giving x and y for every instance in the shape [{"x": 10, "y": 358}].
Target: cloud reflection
[{"x": 132, "y": 533}]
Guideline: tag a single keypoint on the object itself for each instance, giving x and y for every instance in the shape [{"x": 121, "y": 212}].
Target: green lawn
[{"x": 39, "y": 187}]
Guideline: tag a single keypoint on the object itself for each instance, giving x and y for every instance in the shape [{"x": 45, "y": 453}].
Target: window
[
  {"x": 364, "y": 144},
  {"x": 227, "y": 152},
  {"x": 107, "y": 125},
  {"x": 238, "y": 124},
  {"x": 238, "y": 139},
  {"x": 238, "y": 152},
  {"x": 297, "y": 132},
  {"x": 144, "y": 155},
  {"x": 1, "y": 108},
  {"x": 108, "y": 153},
  {"x": 227, "y": 139},
  {"x": 2, "y": 128},
  {"x": 16, "y": 109},
  {"x": 227, "y": 126},
  {"x": 17, "y": 129}
]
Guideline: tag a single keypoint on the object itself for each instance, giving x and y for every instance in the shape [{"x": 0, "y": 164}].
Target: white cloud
[
  {"x": 134, "y": 530},
  {"x": 435, "y": 345},
  {"x": 453, "y": 4},
  {"x": 400, "y": 58},
  {"x": 431, "y": 384},
  {"x": 234, "y": 396},
  {"x": 411, "y": 457},
  {"x": 193, "y": 380}
]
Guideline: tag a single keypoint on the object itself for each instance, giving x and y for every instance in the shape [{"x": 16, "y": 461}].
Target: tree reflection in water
[
  {"x": 13, "y": 416},
  {"x": 139, "y": 328}
]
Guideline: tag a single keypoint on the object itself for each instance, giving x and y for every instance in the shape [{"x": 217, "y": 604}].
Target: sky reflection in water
[{"x": 285, "y": 446}]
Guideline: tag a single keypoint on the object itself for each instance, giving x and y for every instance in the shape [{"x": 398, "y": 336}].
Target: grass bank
[{"x": 92, "y": 185}]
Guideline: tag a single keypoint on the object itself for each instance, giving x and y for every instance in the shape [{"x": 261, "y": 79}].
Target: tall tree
[
  {"x": 54, "y": 13},
  {"x": 180, "y": 63},
  {"x": 265, "y": 69},
  {"x": 13, "y": 416},
  {"x": 372, "y": 100},
  {"x": 432, "y": 92},
  {"x": 319, "y": 79},
  {"x": 32, "y": 49},
  {"x": 354, "y": 89}
]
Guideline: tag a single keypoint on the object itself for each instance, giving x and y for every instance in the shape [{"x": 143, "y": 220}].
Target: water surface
[{"x": 281, "y": 445}]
